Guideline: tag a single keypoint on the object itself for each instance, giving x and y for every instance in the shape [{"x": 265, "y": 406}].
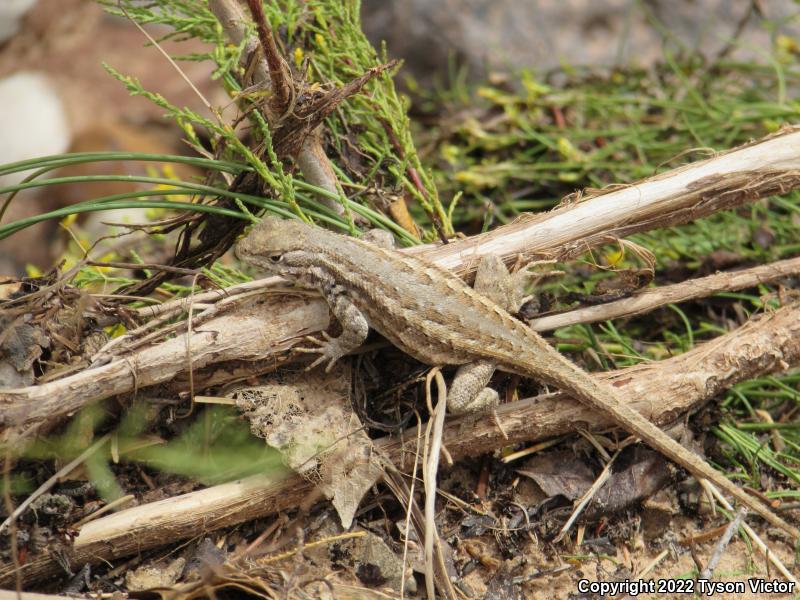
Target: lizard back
[{"x": 425, "y": 310}]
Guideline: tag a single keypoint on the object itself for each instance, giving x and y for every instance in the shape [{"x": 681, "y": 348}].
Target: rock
[{"x": 490, "y": 35}]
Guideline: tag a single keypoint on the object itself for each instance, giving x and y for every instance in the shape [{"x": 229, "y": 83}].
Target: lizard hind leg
[
  {"x": 508, "y": 290},
  {"x": 468, "y": 392},
  {"x": 493, "y": 280}
]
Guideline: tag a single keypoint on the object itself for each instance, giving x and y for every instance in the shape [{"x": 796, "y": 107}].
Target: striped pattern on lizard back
[{"x": 394, "y": 291}]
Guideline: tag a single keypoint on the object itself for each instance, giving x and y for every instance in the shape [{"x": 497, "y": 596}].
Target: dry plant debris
[
  {"x": 222, "y": 338},
  {"x": 310, "y": 421}
]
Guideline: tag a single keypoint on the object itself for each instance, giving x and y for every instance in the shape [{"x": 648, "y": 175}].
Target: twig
[
  {"x": 587, "y": 497},
  {"x": 654, "y": 563},
  {"x": 413, "y": 175},
  {"x": 9, "y": 506},
  {"x": 723, "y": 542},
  {"x": 150, "y": 332},
  {"x": 113, "y": 505},
  {"x": 188, "y": 337},
  {"x": 410, "y": 503},
  {"x": 277, "y": 75},
  {"x": 757, "y": 540},
  {"x": 431, "y": 452},
  {"x": 180, "y": 304},
  {"x": 171, "y": 61},
  {"x": 652, "y": 298},
  {"x": 734, "y": 39},
  {"x": 137, "y": 266},
  {"x": 396, "y": 483}
]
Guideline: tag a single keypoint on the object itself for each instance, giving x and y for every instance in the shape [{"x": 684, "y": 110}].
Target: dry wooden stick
[
  {"x": 662, "y": 391},
  {"x": 785, "y": 573},
  {"x": 181, "y": 304},
  {"x": 762, "y": 168},
  {"x": 280, "y": 80},
  {"x": 250, "y": 333},
  {"x": 13, "y": 595},
  {"x": 652, "y": 298},
  {"x": 719, "y": 549},
  {"x": 47, "y": 485}
]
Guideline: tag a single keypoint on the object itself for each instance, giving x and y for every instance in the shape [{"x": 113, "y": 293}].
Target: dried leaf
[
  {"x": 21, "y": 346},
  {"x": 311, "y": 423}
]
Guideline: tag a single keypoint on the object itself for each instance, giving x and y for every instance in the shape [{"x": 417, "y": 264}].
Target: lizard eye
[{"x": 275, "y": 258}]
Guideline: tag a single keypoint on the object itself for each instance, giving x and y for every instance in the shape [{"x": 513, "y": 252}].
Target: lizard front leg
[
  {"x": 354, "y": 328},
  {"x": 354, "y": 324}
]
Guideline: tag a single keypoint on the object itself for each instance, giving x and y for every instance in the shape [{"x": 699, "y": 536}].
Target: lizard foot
[
  {"x": 328, "y": 348},
  {"x": 486, "y": 400}
]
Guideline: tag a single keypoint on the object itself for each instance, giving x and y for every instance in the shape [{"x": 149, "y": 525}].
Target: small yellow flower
[
  {"x": 568, "y": 151},
  {"x": 114, "y": 331},
  {"x": 615, "y": 257},
  {"x": 787, "y": 44},
  {"x": 69, "y": 220}
]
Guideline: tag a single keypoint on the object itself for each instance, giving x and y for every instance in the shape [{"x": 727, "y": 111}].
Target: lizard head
[{"x": 276, "y": 245}]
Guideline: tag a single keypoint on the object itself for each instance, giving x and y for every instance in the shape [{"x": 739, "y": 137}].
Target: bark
[
  {"x": 762, "y": 168},
  {"x": 250, "y": 333}
]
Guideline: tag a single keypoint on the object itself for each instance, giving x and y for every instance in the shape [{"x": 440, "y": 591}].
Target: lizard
[{"x": 431, "y": 314}]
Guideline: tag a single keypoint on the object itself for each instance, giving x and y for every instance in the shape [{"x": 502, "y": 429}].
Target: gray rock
[{"x": 544, "y": 34}]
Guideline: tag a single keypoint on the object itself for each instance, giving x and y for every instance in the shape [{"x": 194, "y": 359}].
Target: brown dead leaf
[
  {"x": 644, "y": 474},
  {"x": 641, "y": 473},
  {"x": 559, "y": 474},
  {"x": 310, "y": 421},
  {"x": 21, "y": 346}
]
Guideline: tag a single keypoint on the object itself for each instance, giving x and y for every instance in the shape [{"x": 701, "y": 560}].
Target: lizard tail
[{"x": 571, "y": 379}]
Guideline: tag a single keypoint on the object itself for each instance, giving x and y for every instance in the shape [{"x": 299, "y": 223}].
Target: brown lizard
[{"x": 432, "y": 315}]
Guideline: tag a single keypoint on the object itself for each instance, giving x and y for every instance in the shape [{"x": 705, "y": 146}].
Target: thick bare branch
[
  {"x": 250, "y": 333},
  {"x": 762, "y": 168}
]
